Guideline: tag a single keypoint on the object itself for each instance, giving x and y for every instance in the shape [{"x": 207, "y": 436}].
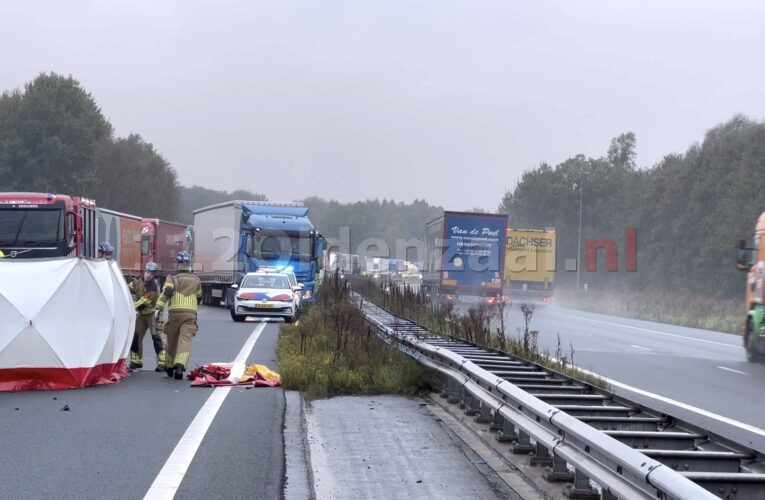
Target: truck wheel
[
  {"x": 237, "y": 317},
  {"x": 751, "y": 352}
]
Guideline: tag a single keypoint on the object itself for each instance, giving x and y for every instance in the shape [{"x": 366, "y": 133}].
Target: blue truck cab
[
  {"x": 283, "y": 238},
  {"x": 238, "y": 237}
]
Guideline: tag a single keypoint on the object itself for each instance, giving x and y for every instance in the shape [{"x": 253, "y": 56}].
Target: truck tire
[{"x": 751, "y": 352}]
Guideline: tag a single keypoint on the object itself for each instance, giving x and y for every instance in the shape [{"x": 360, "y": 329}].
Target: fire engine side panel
[
  {"x": 216, "y": 239},
  {"x": 170, "y": 239}
]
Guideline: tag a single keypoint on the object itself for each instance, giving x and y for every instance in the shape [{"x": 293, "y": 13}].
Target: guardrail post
[
  {"x": 523, "y": 445},
  {"x": 473, "y": 406},
  {"x": 581, "y": 489},
  {"x": 498, "y": 424},
  {"x": 541, "y": 456},
  {"x": 454, "y": 392},
  {"x": 446, "y": 383},
  {"x": 485, "y": 416},
  {"x": 464, "y": 395},
  {"x": 607, "y": 495},
  {"x": 507, "y": 434},
  {"x": 559, "y": 472}
]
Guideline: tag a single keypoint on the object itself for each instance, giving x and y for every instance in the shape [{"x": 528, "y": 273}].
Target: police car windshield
[{"x": 273, "y": 281}]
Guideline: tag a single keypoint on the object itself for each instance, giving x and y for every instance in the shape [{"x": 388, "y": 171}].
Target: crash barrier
[
  {"x": 65, "y": 323},
  {"x": 573, "y": 450}
]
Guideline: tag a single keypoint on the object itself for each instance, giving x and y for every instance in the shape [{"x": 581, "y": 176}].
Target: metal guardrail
[{"x": 578, "y": 431}]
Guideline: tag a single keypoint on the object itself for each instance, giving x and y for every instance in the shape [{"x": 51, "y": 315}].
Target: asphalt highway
[
  {"x": 115, "y": 439},
  {"x": 674, "y": 368}
]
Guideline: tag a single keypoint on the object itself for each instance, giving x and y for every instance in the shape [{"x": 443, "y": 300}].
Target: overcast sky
[{"x": 448, "y": 101}]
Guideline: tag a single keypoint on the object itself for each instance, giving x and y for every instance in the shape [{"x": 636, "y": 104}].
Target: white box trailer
[{"x": 217, "y": 259}]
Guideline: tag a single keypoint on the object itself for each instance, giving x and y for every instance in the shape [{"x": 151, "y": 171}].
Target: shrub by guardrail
[{"x": 331, "y": 350}]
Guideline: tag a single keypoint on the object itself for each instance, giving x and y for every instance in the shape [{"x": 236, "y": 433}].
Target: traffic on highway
[{"x": 401, "y": 250}]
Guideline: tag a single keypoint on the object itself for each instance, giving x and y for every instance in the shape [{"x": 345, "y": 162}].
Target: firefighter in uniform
[
  {"x": 182, "y": 293},
  {"x": 146, "y": 293}
]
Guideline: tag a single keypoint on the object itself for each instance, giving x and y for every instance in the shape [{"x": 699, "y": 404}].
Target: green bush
[{"x": 332, "y": 351}]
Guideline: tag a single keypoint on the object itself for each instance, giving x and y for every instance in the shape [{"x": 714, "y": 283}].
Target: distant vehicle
[
  {"x": 238, "y": 237},
  {"x": 161, "y": 241},
  {"x": 123, "y": 231},
  {"x": 751, "y": 258},
  {"x": 40, "y": 225},
  {"x": 264, "y": 294},
  {"x": 530, "y": 265},
  {"x": 465, "y": 258}
]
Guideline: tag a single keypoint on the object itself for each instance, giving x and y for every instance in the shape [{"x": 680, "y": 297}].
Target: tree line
[
  {"x": 55, "y": 138},
  {"x": 688, "y": 209}
]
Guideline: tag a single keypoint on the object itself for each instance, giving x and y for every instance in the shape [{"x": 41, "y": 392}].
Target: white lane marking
[
  {"x": 641, "y": 347},
  {"x": 679, "y": 404},
  {"x": 732, "y": 370},
  {"x": 655, "y": 331},
  {"x": 168, "y": 480}
]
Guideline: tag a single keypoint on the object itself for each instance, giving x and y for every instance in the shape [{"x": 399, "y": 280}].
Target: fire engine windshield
[{"x": 19, "y": 227}]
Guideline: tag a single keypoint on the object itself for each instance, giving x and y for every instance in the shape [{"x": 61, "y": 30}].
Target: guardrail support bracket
[
  {"x": 559, "y": 472},
  {"x": 581, "y": 489},
  {"x": 485, "y": 415},
  {"x": 541, "y": 456},
  {"x": 498, "y": 424},
  {"x": 507, "y": 434},
  {"x": 523, "y": 445}
]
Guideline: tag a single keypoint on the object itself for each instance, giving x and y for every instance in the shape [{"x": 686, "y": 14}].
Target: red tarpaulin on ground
[{"x": 219, "y": 374}]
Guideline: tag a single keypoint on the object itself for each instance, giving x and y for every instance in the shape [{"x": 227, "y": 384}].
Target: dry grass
[
  {"x": 685, "y": 309},
  {"x": 482, "y": 325},
  {"x": 332, "y": 351}
]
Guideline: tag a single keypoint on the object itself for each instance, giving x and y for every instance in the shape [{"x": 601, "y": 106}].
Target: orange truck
[
  {"x": 751, "y": 258},
  {"x": 123, "y": 231}
]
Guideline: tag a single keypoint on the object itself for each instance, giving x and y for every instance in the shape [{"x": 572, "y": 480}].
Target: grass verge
[
  {"x": 482, "y": 325},
  {"x": 684, "y": 309},
  {"x": 332, "y": 351}
]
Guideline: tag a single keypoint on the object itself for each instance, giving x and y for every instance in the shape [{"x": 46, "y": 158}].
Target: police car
[{"x": 265, "y": 294}]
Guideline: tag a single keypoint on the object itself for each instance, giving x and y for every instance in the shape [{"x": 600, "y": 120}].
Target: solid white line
[
  {"x": 641, "y": 347},
  {"x": 170, "y": 477},
  {"x": 655, "y": 331},
  {"x": 679, "y": 404},
  {"x": 732, "y": 370}
]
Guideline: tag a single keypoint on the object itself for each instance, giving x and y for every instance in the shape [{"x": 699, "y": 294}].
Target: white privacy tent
[{"x": 64, "y": 323}]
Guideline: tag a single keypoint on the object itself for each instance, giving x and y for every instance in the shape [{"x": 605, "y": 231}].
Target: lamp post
[{"x": 579, "y": 242}]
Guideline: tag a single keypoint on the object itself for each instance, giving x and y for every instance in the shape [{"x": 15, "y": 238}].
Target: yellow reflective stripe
[
  {"x": 181, "y": 301},
  {"x": 182, "y": 358},
  {"x": 136, "y": 358},
  {"x": 163, "y": 298}
]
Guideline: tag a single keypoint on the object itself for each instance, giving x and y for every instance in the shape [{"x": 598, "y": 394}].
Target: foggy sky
[{"x": 448, "y": 101}]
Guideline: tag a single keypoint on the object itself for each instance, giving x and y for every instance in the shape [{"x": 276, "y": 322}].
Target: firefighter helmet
[
  {"x": 152, "y": 267},
  {"x": 183, "y": 257},
  {"x": 106, "y": 248}
]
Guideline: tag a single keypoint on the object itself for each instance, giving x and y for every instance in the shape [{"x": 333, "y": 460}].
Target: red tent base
[{"x": 24, "y": 379}]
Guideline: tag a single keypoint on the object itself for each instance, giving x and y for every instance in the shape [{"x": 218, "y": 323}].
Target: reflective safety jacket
[
  {"x": 145, "y": 295},
  {"x": 182, "y": 292}
]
